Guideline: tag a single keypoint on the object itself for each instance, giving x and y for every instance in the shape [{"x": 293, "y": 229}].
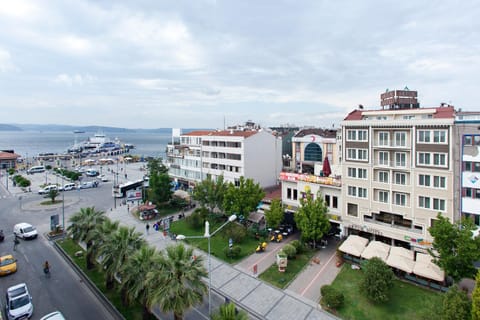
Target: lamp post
[{"x": 209, "y": 235}]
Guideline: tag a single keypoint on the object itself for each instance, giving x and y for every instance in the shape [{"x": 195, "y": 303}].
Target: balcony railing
[{"x": 289, "y": 176}]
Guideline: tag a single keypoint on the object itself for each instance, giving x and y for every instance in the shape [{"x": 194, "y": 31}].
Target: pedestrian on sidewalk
[
  {"x": 147, "y": 227},
  {"x": 15, "y": 243}
]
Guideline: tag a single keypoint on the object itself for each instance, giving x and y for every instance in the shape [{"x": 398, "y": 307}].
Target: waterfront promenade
[{"x": 238, "y": 282}]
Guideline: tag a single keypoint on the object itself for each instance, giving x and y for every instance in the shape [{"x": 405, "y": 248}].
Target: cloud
[
  {"x": 6, "y": 63},
  {"x": 73, "y": 80}
]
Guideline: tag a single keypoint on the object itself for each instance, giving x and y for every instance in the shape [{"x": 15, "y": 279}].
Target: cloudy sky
[{"x": 203, "y": 63}]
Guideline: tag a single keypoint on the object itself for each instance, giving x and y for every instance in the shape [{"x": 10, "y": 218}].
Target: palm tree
[
  {"x": 83, "y": 224},
  {"x": 101, "y": 234},
  {"x": 177, "y": 284},
  {"x": 116, "y": 250},
  {"x": 134, "y": 272},
  {"x": 228, "y": 312}
]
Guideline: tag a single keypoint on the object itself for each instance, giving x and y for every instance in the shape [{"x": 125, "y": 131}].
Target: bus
[{"x": 120, "y": 191}]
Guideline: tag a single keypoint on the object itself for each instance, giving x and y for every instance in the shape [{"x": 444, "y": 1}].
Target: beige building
[{"x": 398, "y": 168}]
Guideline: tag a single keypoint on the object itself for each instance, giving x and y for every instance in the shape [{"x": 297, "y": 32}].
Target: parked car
[
  {"x": 69, "y": 186},
  {"x": 47, "y": 189},
  {"x": 92, "y": 173},
  {"x": 87, "y": 185},
  {"x": 8, "y": 264},
  {"x": 25, "y": 231},
  {"x": 56, "y": 315},
  {"x": 103, "y": 178},
  {"x": 19, "y": 302}
]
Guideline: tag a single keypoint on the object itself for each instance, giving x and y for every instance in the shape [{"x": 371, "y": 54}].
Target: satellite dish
[{"x": 360, "y": 106}]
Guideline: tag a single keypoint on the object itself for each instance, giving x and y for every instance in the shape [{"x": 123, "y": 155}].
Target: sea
[{"x": 29, "y": 144}]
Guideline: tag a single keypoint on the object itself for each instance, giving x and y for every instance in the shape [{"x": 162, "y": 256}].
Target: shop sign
[
  {"x": 366, "y": 229},
  {"x": 420, "y": 241}
]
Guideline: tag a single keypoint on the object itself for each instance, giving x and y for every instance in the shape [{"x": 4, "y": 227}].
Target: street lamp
[{"x": 208, "y": 235}]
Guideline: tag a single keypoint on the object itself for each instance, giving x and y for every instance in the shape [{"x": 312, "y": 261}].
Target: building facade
[
  {"x": 398, "y": 170},
  {"x": 251, "y": 153}
]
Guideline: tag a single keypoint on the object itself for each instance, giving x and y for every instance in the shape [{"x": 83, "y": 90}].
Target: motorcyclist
[
  {"x": 46, "y": 268},
  {"x": 2, "y": 236}
]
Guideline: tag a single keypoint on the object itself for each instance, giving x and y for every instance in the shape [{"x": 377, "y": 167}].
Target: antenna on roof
[
  {"x": 406, "y": 88},
  {"x": 360, "y": 106}
]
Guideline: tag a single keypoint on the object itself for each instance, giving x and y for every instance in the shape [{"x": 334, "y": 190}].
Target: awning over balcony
[
  {"x": 401, "y": 258},
  {"x": 354, "y": 245},
  {"x": 425, "y": 267},
  {"x": 376, "y": 249}
]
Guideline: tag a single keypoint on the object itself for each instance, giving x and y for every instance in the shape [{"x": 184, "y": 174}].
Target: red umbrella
[{"x": 326, "y": 167}]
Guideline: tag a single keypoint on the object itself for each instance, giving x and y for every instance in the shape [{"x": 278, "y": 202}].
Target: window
[
  {"x": 362, "y": 154},
  {"x": 400, "y": 159},
  {"x": 362, "y": 135},
  {"x": 352, "y": 209},
  {"x": 295, "y": 194},
  {"x": 289, "y": 193},
  {"x": 439, "y": 182},
  {"x": 362, "y": 173},
  {"x": 424, "y": 158},
  {"x": 424, "y": 180},
  {"x": 424, "y": 136},
  {"x": 476, "y": 166},
  {"x": 327, "y": 200},
  {"x": 383, "y": 139},
  {"x": 383, "y": 176},
  {"x": 400, "y": 178},
  {"x": 352, "y": 172},
  {"x": 438, "y": 204},
  {"x": 313, "y": 152},
  {"x": 467, "y": 140},
  {"x": 357, "y": 154},
  {"x": 424, "y": 202},
  {"x": 468, "y": 166},
  {"x": 351, "y": 154},
  {"x": 351, "y": 135},
  {"x": 352, "y": 191},
  {"x": 476, "y": 140},
  {"x": 400, "y": 199},
  {"x": 468, "y": 192},
  {"x": 334, "y": 202},
  {"x": 439, "y": 136},
  {"x": 362, "y": 192},
  {"x": 383, "y": 158},
  {"x": 383, "y": 196},
  {"x": 439, "y": 159},
  {"x": 400, "y": 139}
]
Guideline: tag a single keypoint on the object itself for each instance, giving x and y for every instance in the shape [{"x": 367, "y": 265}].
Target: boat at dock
[{"x": 99, "y": 143}]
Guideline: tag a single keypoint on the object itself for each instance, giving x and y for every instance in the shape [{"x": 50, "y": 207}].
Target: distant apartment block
[{"x": 249, "y": 152}]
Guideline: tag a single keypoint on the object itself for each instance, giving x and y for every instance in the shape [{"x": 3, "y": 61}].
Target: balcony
[
  {"x": 294, "y": 177},
  {"x": 391, "y": 225}
]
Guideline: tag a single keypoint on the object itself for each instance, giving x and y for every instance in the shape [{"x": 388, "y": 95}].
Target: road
[{"x": 64, "y": 290}]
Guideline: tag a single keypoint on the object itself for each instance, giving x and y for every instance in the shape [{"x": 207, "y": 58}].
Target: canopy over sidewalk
[
  {"x": 401, "y": 258},
  {"x": 354, "y": 245},
  {"x": 424, "y": 267},
  {"x": 376, "y": 249}
]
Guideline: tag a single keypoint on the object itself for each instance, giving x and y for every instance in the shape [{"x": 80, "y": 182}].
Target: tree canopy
[
  {"x": 378, "y": 279},
  {"x": 210, "y": 193},
  {"x": 311, "y": 218},
  {"x": 476, "y": 298},
  {"x": 160, "y": 189},
  {"x": 457, "y": 249},
  {"x": 242, "y": 199},
  {"x": 275, "y": 215},
  {"x": 456, "y": 305}
]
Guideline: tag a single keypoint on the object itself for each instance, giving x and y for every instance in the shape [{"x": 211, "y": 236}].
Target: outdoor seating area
[{"x": 416, "y": 267}]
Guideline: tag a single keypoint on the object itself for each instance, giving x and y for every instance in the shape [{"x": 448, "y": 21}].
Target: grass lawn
[
  {"x": 407, "y": 301},
  {"x": 294, "y": 267},
  {"x": 218, "y": 243},
  {"x": 133, "y": 311}
]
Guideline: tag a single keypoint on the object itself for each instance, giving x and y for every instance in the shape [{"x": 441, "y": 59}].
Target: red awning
[{"x": 326, "y": 168}]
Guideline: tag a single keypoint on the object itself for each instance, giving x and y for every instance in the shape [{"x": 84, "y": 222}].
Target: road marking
[
  {"x": 265, "y": 257},
  {"x": 318, "y": 274}
]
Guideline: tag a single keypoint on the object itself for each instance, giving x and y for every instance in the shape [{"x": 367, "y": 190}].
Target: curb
[{"x": 106, "y": 303}]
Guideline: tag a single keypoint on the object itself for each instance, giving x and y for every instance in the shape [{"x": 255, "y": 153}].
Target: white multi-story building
[
  {"x": 398, "y": 170},
  {"x": 251, "y": 153}
]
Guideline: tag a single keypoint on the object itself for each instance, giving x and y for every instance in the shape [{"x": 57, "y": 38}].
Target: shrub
[
  {"x": 299, "y": 246},
  {"x": 290, "y": 251},
  {"x": 378, "y": 279},
  {"x": 21, "y": 181},
  {"x": 331, "y": 297},
  {"x": 195, "y": 220},
  {"x": 236, "y": 231},
  {"x": 233, "y": 252},
  {"x": 11, "y": 171}
]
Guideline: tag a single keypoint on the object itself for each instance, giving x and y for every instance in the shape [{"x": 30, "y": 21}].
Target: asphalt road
[{"x": 64, "y": 290}]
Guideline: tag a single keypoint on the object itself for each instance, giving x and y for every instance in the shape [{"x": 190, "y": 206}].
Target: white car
[
  {"x": 47, "y": 189},
  {"x": 103, "y": 178},
  {"x": 25, "y": 231},
  {"x": 69, "y": 186},
  {"x": 56, "y": 315},
  {"x": 19, "y": 302}
]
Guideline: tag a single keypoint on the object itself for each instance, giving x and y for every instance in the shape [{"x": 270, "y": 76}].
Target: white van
[
  {"x": 69, "y": 186},
  {"x": 36, "y": 169},
  {"x": 25, "y": 231},
  {"x": 47, "y": 189}
]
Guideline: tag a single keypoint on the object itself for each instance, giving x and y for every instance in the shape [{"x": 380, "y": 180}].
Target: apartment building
[
  {"x": 468, "y": 181},
  {"x": 398, "y": 167},
  {"x": 249, "y": 152}
]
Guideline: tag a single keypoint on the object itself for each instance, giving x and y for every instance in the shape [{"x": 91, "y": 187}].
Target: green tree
[
  {"x": 228, "y": 311},
  {"x": 177, "y": 281},
  {"x": 101, "y": 234},
  {"x": 378, "y": 279},
  {"x": 275, "y": 215},
  {"x": 456, "y": 305},
  {"x": 160, "y": 189},
  {"x": 116, "y": 250},
  {"x": 83, "y": 224},
  {"x": 210, "y": 193},
  {"x": 331, "y": 297},
  {"x": 134, "y": 277},
  {"x": 311, "y": 218},
  {"x": 456, "y": 248},
  {"x": 156, "y": 166},
  {"x": 52, "y": 194},
  {"x": 243, "y": 199},
  {"x": 476, "y": 298}
]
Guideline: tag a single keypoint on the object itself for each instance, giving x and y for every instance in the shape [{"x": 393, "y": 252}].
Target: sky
[{"x": 210, "y": 64}]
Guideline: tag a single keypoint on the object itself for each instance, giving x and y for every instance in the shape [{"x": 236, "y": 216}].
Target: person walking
[
  {"x": 147, "y": 227},
  {"x": 15, "y": 243}
]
